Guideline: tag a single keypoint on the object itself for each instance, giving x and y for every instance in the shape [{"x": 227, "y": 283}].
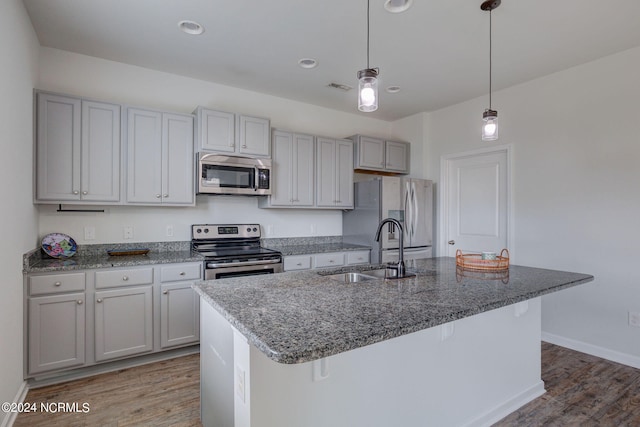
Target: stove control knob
[
  {"x": 199, "y": 230},
  {"x": 255, "y": 229},
  {"x": 249, "y": 230},
  {"x": 206, "y": 230}
]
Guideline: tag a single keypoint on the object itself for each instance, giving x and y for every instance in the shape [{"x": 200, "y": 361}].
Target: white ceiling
[{"x": 437, "y": 51}]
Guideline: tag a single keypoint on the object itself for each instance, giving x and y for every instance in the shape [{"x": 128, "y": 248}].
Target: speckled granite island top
[{"x": 297, "y": 317}]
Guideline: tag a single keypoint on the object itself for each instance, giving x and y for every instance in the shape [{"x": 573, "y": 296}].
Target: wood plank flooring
[
  {"x": 165, "y": 393},
  {"x": 582, "y": 390}
]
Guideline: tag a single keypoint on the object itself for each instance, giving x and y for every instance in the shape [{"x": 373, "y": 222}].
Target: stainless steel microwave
[{"x": 220, "y": 174}]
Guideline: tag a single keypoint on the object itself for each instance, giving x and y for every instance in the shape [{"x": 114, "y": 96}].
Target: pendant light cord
[
  {"x": 368, "y": 6},
  {"x": 490, "y": 56}
]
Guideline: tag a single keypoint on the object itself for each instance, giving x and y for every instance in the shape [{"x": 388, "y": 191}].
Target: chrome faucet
[{"x": 400, "y": 266}]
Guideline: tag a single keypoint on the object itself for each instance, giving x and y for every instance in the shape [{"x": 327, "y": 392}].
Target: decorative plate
[{"x": 58, "y": 245}]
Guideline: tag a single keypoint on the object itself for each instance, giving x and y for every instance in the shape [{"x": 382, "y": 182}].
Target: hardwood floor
[
  {"x": 163, "y": 393},
  {"x": 582, "y": 390}
]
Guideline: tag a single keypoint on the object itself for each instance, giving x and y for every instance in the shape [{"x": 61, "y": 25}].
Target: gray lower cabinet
[
  {"x": 123, "y": 322},
  {"x": 179, "y": 305},
  {"x": 326, "y": 259},
  {"x": 56, "y": 330},
  {"x": 86, "y": 317}
]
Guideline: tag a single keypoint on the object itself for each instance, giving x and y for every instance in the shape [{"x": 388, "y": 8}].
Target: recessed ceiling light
[
  {"x": 393, "y": 89},
  {"x": 397, "y": 6},
  {"x": 308, "y": 63},
  {"x": 191, "y": 27}
]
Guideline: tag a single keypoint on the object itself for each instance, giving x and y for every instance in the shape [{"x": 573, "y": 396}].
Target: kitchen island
[{"x": 447, "y": 347}]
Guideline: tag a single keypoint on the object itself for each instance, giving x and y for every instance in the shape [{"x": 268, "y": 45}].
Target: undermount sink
[
  {"x": 355, "y": 277},
  {"x": 350, "y": 277}
]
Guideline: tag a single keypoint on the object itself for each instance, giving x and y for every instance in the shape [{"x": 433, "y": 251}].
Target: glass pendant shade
[
  {"x": 489, "y": 125},
  {"x": 368, "y": 90}
]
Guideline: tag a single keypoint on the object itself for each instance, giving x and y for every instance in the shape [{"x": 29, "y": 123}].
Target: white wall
[
  {"x": 576, "y": 139},
  {"x": 18, "y": 75},
  {"x": 81, "y": 75}
]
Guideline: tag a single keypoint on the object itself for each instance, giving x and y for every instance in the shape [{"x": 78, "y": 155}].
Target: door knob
[{"x": 451, "y": 242}]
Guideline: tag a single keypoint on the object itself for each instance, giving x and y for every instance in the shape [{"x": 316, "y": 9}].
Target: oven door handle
[{"x": 238, "y": 264}]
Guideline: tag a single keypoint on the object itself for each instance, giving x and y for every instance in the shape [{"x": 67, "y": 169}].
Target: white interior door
[{"x": 476, "y": 191}]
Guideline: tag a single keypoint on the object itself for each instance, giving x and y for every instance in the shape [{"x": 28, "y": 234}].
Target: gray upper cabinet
[
  {"x": 334, "y": 172},
  {"x": 77, "y": 150},
  {"x": 293, "y": 170},
  {"x": 233, "y": 134},
  {"x": 375, "y": 154},
  {"x": 159, "y": 158}
]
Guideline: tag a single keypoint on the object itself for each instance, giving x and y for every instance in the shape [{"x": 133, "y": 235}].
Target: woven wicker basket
[{"x": 475, "y": 261}]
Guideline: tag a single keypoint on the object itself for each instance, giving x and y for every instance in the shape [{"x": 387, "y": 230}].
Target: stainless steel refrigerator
[{"x": 408, "y": 200}]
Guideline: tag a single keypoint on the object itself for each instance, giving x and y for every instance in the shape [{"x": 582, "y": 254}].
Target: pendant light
[
  {"x": 490, "y": 116},
  {"x": 368, "y": 82}
]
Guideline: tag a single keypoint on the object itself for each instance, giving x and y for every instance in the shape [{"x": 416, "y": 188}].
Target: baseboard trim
[
  {"x": 594, "y": 350},
  {"x": 10, "y": 417},
  {"x": 509, "y": 406}
]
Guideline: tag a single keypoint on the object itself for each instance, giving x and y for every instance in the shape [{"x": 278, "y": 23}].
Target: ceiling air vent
[{"x": 345, "y": 88}]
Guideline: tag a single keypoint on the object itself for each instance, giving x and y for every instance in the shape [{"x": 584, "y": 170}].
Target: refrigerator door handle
[
  {"x": 408, "y": 211},
  {"x": 416, "y": 210}
]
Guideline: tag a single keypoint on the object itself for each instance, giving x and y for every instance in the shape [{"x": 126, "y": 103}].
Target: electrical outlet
[
  {"x": 240, "y": 383},
  {"x": 269, "y": 230},
  {"x": 89, "y": 233},
  {"x": 313, "y": 229},
  {"x": 169, "y": 230},
  {"x": 634, "y": 319},
  {"x": 128, "y": 233}
]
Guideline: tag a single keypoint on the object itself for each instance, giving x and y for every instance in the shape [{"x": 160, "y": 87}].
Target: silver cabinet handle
[
  {"x": 57, "y": 284},
  {"x": 182, "y": 273},
  {"x": 79, "y": 302},
  {"x": 76, "y": 192},
  {"x": 85, "y": 193},
  {"x": 244, "y": 145},
  {"x": 165, "y": 292},
  {"x": 165, "y": 195},
  {"x": 125, "y": 278},
  {"x": 451, "y": 242},
  {"x": 99, "y": 300}
]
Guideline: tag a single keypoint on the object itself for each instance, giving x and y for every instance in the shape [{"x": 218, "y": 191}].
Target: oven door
[
  {"x": 219, "y": 174},
  {"x": 212, "y": 273}
]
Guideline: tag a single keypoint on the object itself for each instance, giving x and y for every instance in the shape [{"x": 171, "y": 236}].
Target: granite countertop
[
  {"x": 95, "y": 256},
  {"x": 316, "y": 248},
  {"x": 296, "y": 317}
]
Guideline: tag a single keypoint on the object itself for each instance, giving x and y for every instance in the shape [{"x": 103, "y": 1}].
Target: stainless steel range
[{"x": 233, "y": 250}]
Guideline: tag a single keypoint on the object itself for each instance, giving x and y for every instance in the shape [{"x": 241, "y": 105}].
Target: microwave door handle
[{"x": 256, "y": 179}]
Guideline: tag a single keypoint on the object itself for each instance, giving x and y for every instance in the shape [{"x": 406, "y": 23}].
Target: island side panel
[
  {"x": 473, "y": 371},
  {"x": 216, "y": 368}
]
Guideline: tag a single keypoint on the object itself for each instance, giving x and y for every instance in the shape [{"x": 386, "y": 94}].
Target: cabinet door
[
  {"x": 177, "y": 160},
  {"x": 326, "y": 172},
  {"x": 100, "y": 167},
  {"x": 56, "y": 332},
  {"x": 253, "y": 136},
  {"x": 303, "y": 170},
  {"x": 123, "y": 322},
  {"x": 397, "y": 156},
  {"x": 371, "y": 152},
  {"x": 344, "y": 171},
  {"x": 179, "y": 315},
  {"x": 282, "y": 173},
  {"x": 58, "y": 148},
  {"x": 217, "y": 131},
  {"x": 144, "y": 156}
]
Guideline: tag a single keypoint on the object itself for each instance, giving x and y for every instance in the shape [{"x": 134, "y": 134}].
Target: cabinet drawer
[
  {"x": 128, "y": 277},
  {"x": 358, "y": 257},
  {"x": 297, "y": 262},
  {"x": 175, "y": 273},
  {"x": 56, "y": 283},
  {"x": 329, "y": 260}
]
